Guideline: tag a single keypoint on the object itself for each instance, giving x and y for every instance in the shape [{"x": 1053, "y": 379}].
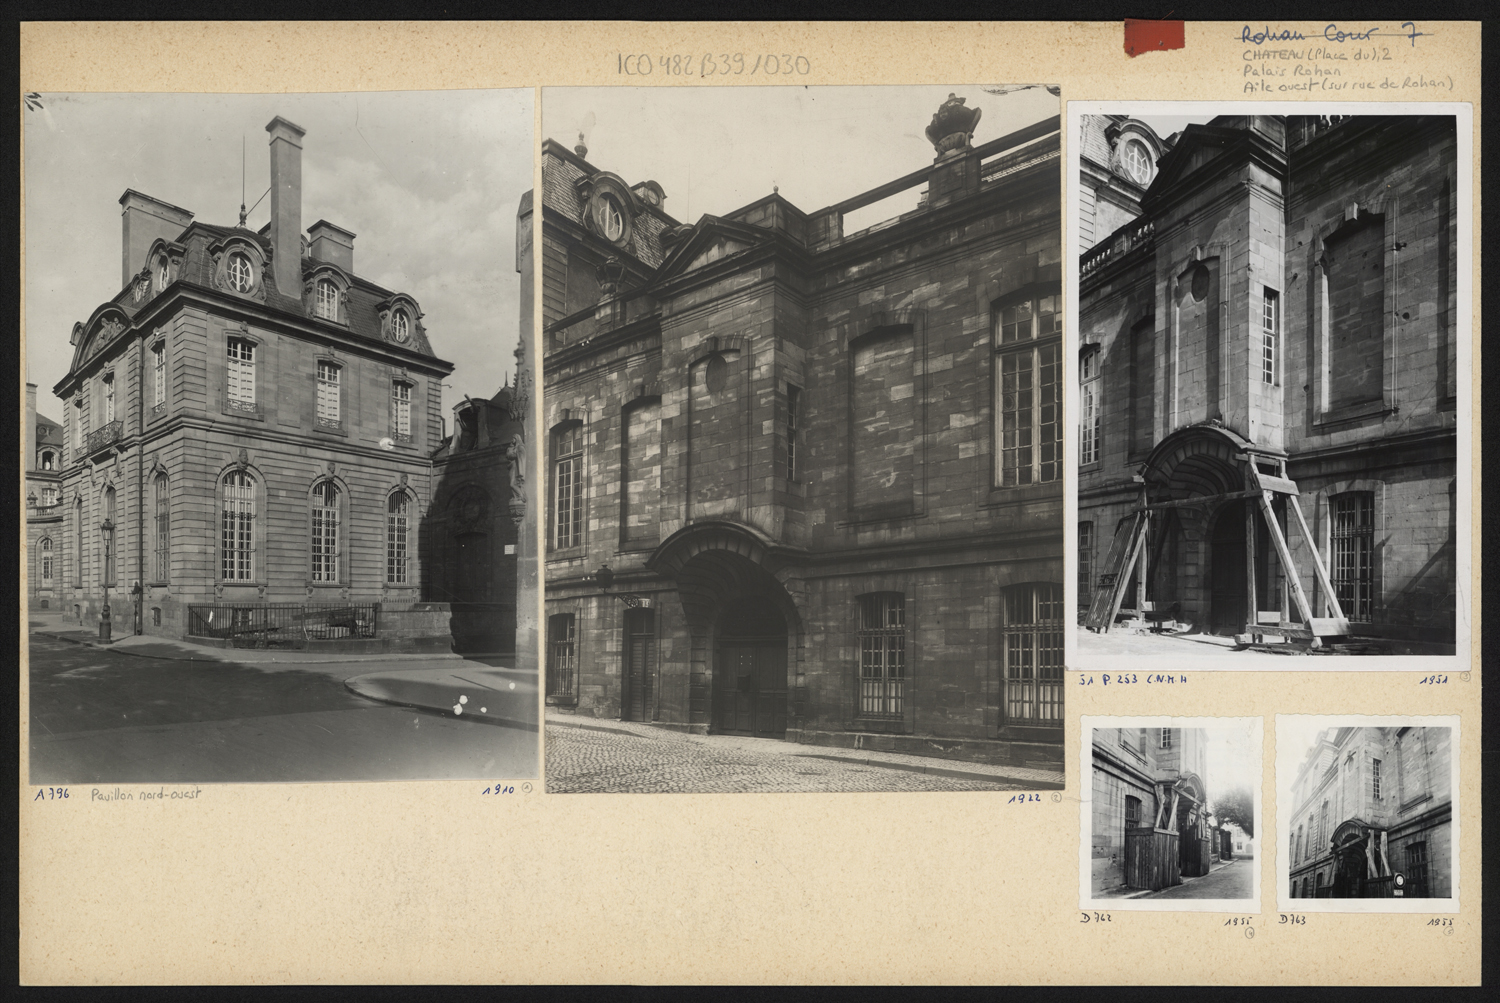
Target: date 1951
[{"x": 709, "y": 64}]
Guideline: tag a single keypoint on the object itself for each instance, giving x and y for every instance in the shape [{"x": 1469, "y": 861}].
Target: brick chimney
[
  {"x": 142, "y": 220},
  {"x": 332, "y": 244},
  {"x": 286, "y": 205}
]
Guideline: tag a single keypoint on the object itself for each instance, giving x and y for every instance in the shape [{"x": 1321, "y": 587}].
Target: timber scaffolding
[{"x": 1128, "y": 551}]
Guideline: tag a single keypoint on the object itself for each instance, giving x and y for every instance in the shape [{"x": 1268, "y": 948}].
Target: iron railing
[
  {"x": 109, "y": 434},
  {"x": 283, "y": 625}
]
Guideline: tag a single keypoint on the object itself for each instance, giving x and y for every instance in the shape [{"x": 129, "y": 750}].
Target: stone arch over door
[{"x": 745, "y": 629}]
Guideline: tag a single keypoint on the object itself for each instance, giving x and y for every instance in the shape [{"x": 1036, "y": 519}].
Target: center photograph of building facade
[{"x": 804, "y": 467}]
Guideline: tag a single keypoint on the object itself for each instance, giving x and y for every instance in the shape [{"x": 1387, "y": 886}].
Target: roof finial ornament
[
  {"x": 243, "y": 214},
  {"x": 580, "y": 149}
]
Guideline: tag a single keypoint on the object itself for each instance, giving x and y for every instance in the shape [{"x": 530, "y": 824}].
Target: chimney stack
[
  {"x": 30, "y": 427},
  {"x": 142, "y": 220},
  {"x": 286, "y": 205},
  {"x": 332, "y": 244}
]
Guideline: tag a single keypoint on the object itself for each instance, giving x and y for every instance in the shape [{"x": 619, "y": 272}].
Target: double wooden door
[{"x": 750, "y": 687}]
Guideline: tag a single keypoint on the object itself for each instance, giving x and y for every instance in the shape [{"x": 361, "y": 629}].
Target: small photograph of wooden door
[
  {"x": 750, "y": 683},
  {"x": 640, "y": 665}
]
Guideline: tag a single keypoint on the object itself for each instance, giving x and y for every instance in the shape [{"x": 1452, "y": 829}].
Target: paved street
[
  {"x": 611, "y": 757},
  {"x": 101, "y": 716},
  {"x": 1231, "y": 881}
]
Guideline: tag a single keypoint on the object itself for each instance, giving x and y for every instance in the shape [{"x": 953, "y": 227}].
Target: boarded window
[
  {"x": 884, "y": 414},
  {"x": 1354, "y": 313},
  {"x": 641, "y": 473}
]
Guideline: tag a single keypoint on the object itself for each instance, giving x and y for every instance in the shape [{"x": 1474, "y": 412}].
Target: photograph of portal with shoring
[
  {"x": 260, "y": 548},
  {"x": 804, "y": 438},
  {"x": 1269, "y": 386},
  {"x": 1173, "y": 816},
  {"x": 1367, "y": 813}
]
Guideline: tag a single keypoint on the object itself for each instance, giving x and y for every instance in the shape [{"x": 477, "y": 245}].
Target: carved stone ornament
[
  {"x": 242, "y": 457},
  {"x": 109, "y": 327},
  {"x": 403, "y": 480},
  {"x": 952, "y": 125}
]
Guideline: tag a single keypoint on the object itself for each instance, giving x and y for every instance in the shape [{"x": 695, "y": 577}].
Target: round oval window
[
  {"x": 1200, "y": 283},
  {"x": 239, "y": 273},
  {"x": 716, "y": 373}
]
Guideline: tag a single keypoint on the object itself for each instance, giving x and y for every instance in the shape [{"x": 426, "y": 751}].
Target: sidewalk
[
  {"x": 1038, "y": 778},
  {"x": 1146, "y": 893}
]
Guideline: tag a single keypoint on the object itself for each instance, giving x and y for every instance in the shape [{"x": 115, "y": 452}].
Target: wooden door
[
  {"x": 640, "y": 664},
  {"x": 750, "y": 680}
]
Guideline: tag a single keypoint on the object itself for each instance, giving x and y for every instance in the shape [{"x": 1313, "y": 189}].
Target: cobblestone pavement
[{"x": 643, "y": 759}]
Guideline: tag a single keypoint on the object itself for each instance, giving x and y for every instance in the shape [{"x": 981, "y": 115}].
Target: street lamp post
[
  {"x": 135, "y": 593},
  {"x": 108, "y": 529}
]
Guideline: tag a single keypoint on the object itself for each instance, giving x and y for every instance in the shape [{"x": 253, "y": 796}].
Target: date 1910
[{"x": 723, "y": 64}]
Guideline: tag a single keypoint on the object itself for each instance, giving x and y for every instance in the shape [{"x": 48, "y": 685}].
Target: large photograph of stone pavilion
[
  {"x": 803, "y": 375},
  {"x": 277, "y": 427},
  {"x": 1367, "y": 812},
  {"x": 1272, "y": 384}
]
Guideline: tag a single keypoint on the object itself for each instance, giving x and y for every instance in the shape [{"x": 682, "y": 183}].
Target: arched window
[
  {"x": 237, "y": 525},
  {"x": 882, "y": 654},
  {"x": 325, "y": 532},
  {"x": 44, "y": 559},
  {"x": 1032, "y": 649},
  {"x": 241, "y": 278},
  {"x": 326, "y": 303},
  {"x": 163, "y": 526},
  {"x": 107, "y": 537},
  {"x": 49, "y": 460},
  {"x": 78, "y": 543},
  {"x": 397, "y": 517},
  {"x": 567, "y": 487},
  {"x": 611, "y": 218}
]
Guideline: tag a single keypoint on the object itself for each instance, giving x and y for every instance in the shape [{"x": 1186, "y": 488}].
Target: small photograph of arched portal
[{"x": 1171, "y": 815}]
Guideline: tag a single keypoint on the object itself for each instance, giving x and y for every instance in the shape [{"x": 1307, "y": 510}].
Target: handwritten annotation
[
  {"x": 1331, "y": 33},
  {"x": 1132, "y": 679},
  {"x": 144, "y": 794},
  {"x": 724, "y": 64}
]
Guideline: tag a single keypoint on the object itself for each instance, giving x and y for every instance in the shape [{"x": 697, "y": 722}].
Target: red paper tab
[{"x": 1152, "y": 36}]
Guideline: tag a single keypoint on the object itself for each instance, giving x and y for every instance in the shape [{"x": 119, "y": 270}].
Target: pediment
[
  {"x": 1198, "y": 147},
  {"x": 712, "y": 239},
  {"x": 720, "y": 248}
]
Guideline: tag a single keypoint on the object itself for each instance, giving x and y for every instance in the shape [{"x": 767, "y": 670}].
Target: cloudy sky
[
  {"x": 715, "y": 149},
  {"x": 1233, "y": 756},
  {"x": 429, "y": 181}
]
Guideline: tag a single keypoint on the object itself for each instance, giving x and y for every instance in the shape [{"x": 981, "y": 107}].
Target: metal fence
[{"x": 283, "y": 625}]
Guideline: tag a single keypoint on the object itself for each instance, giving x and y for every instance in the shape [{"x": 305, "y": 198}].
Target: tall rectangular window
[
  {"x": 239, "y": 379},
  {"x": 1353, "y": 540},
  {"x": 1375, "y": 779},
  {"x": 397, "y": 521},
  {"x": 1166, "y": 738},
  {"x": 328, "y": 393},
  {"x": 793, "y": 407},
  {"x": 882, "y": 654},
  {"x": 567, "y": 487},
  {"x": 78, "y": 426},
  {"x": 401, "y": 411},
  {"x": 562, "y": 655},
  {"x": 327, "y": 302},
  {"x": 1085, "y": 564},
  {"x": 1032, "y": 647},
  {"x": 163, "y": 549},
  {"x": 44, "y": 551},
  {"x": 1270, "y": 321},
  {"x": 1132, "y": 812},
  {"x": 158, "y": 374},
  {"x": 109, "y": 397},
  {"x": 1090, "y": 408},
  {"x": 237, "y": 527},
  {"x": 1028, "y": 377}
]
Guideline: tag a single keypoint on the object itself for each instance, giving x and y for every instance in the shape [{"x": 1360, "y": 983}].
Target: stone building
[
  {"x": 44, "y": 509},
  {"x": 1268, "y": 330},
  {"x": 1369, "y": 804},
  {"x": 806, "y": 483},
  {"x": 249, "y": 435},
  {"x": 1150, "y": 826}
]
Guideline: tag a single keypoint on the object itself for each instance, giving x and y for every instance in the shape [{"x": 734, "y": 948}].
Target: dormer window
[
  {"x": 139, "y": 292},
  {"x": 240, "y": 276},
  {"x": 49, "y": 460},
  {"x": 161, "y": 275},
  {"x": 611, "y": 217},
  {"x": 327, "y": 301},
  {"x": 401, "y": 326},
  {"x": 1136, "y": 160}
]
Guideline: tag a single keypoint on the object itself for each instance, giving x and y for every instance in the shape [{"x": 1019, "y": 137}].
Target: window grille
[
  {"x": 1416, "y": 870},
  {"x": 325, "y": 532},
  {"x": 163, "y": 528},
  {"x": 237, "y": 527},
  {"x": 1354, "y": 553},
  {"x": 562, "y": 655},
  {"x": 882, "y": 657},
  {"x": 397, "y": 516},
  {"x": 1033, "y": 652},
  {"x": 1132, "y": 811}
]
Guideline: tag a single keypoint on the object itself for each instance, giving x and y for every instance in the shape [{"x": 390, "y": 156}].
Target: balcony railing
[
  {"x": 1138, "y": 233},
  {"x": 108, "y": 435}
]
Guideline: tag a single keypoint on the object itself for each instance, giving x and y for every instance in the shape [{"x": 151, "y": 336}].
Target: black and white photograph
[
  {"x": 1173, "y": 814},
  {"x": 1272, "y": 412},
  {"x": 1367, "y": 813},
  {"x": 802, "y": 368},
  {"x": 278, "y": 525}
]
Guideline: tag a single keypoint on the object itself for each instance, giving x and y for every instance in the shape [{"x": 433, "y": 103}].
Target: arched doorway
[{"x": 749, "y": 678}]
